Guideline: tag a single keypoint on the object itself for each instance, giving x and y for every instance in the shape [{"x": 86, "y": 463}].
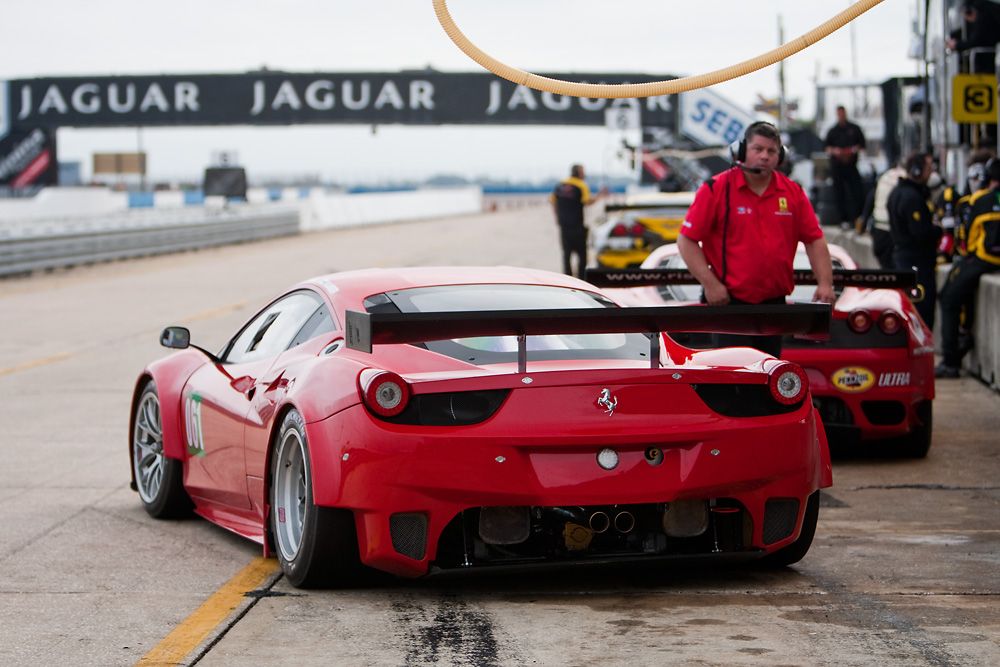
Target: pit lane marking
[
  {"x": 62, "y": 356},
  {"x": 207, "y": 618},
  {"x": 35, "y": 363}
]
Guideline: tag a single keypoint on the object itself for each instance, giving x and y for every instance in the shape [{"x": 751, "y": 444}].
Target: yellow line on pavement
[
  {"x": 187, "y": 636},
  {"x": 215, "y": 312},
  {"x": 62, "y": 356},
  {"x": 35, "y": 363}
]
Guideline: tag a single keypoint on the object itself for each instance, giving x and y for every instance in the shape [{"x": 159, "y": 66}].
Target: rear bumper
[
  {"x": 379, "y": 470},
  {"x": 621, "y": 259},
  {"x": 880, "y": 399}
]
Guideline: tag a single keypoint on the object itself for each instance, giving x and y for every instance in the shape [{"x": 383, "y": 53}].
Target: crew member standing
[
  {"x": 982, "y": 256},
  {"x": 881, "y": 236},
  {"x": 843, "y": 143},
  {"x": 741, "y": 233},
  {"x": 569, "y": 199},
  {"x": 914, "y": 235}
]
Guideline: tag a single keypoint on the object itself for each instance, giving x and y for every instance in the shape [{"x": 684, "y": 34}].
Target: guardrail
[{"x": 35, "y": 246}]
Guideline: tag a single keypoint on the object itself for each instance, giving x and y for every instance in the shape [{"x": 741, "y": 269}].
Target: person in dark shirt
[
  {"x": 982, "y": 31},
  {"x": 569, "y": 199},
  {"x": 843, "y": 143},
  {"x": 980, "y": 256},
  {"x": 915, "y": 237}
]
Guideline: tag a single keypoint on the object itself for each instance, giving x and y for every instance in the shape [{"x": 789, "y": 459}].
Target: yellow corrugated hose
[{"x": 651, "y": 88}]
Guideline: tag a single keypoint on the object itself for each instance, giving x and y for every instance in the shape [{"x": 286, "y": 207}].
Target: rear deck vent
[
  {"x": 779, "y": 518},
  {"x": 409, "y": 534}
]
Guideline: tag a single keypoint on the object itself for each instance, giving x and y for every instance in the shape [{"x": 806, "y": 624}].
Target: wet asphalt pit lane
[
  {"x": 830, "y": 501},
  {"x": 447, "y": 630}
]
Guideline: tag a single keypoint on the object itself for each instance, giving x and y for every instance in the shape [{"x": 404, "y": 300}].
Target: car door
[
  {"x": 217, "y": 400},
  {"x": 301, "y": 351}
]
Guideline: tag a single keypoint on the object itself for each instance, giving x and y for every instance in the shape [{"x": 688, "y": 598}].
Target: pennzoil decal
[
  {"x": 853, "y": 379},
  {"x": 192, "y": 422}
]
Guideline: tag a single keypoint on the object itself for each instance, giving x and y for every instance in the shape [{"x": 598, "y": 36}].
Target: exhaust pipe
[
  {"x": 599, "y": 522},
  {"x": 624, "y": 522}
]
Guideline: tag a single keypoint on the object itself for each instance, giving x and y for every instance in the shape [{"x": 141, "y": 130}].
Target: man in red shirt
[{"x": 741, "y": 232}]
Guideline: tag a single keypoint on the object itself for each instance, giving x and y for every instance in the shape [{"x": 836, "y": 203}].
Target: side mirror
[{"x": 178, "y": 338}]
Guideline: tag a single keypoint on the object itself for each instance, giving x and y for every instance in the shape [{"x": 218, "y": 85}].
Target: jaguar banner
[{"x": 284, "y": 98}]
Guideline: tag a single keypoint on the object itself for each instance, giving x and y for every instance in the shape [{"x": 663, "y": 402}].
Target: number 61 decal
[{"x": 192, "y": 423}]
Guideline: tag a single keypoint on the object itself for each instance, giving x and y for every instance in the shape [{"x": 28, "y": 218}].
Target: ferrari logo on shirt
[
  {"x": 916, "y": 216},
  {"x": 782, "y": 205}
]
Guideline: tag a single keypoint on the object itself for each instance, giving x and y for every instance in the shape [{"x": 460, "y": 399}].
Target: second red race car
[
  {"x": 872, "y": 380},
  {"x": 416, "y": 420}
]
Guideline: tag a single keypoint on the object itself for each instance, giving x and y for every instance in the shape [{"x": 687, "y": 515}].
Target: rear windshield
[{"x": 503, "y": 349}]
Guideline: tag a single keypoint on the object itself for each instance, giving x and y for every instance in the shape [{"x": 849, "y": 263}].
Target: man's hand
[
  {"x": 825, "y": 294},
  {"x": 717, "y": 294}
]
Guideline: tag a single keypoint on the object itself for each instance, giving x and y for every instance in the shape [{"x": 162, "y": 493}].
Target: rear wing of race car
[
  {"x": 608, "y": 208},
  {"x": 871, "y": 278},
  {"x": 365, "y": 329}
]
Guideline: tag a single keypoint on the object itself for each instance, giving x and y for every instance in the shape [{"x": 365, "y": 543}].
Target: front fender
[{"x": 170, "y": 375}]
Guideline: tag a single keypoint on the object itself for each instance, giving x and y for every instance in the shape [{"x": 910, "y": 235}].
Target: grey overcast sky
[{"x": 105, "y": 37}]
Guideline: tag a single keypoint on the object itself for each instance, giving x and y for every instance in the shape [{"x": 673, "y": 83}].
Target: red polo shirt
[{"x": 763, "y": 232}]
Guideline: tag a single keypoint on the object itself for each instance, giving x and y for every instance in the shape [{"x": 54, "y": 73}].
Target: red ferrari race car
[
  {"x": 423, "y": 419},
  {"x": 872, "y": 380}
]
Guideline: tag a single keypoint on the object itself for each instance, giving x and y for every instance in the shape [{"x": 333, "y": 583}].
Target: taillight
[
  {"x": 637, "y": 229},
  {"x": 788, "y": 383},
  {"x": 859, "y": 321},
  {"x": 890, "y": 322},
  {"x": 619, "y": 230},
  {"x": 384, "y": 393}
]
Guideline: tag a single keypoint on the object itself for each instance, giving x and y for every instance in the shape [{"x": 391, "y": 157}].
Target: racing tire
[
  {"x": 797, "y": 550},
  {"x": 158, "y": 478},
  {"x": 317, "y": 547},
  {"x": 918, "y": 442}
]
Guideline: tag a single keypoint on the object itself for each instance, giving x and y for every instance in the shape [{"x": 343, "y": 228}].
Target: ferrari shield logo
[
  {"x": 608, "y": 401},
  {"x": 782, "y": 205},
  {"x": 853, "y": 379}
]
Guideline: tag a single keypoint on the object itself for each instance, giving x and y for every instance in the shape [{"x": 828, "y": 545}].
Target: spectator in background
[
  {"x": 956, "y": 229},
  {"x": 877, "y": 215},
  {"x": 914, "y": 235},
  {"x": 981, "y": 256},
  {"x": 981, "y": 31},
  {"x": 569, "y": 199},
  {"x": 843, "y": 143}
]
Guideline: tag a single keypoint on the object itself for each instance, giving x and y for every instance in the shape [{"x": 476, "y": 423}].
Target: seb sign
[{"x": 710, "y": 120}]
